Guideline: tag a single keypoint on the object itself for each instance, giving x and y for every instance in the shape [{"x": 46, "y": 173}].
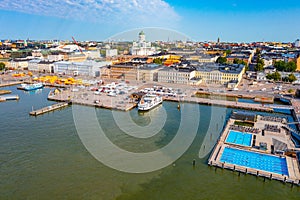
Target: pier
[
  {"x": 48, "y": 109},
  {"x": 223, "y": 103},
  {"x": 9, "y": 97},
  {"x": 5, "y": 92},
  {"x": 10, "y": 83}
]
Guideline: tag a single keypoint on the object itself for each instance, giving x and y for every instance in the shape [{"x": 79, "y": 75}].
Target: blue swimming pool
[
  {"x": 239, "y": 138},
  {"x": 269, "y": 163}
]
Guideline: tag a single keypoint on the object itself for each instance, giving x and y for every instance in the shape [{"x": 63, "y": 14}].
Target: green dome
[{"x": 142, "y": 33}]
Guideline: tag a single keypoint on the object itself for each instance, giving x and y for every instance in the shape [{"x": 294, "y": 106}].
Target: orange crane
[{"x": 77, "y": 44}]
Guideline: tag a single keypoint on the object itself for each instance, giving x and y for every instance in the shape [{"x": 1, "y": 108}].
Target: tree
[
  {"x": 239, "y": 61},
  {"x": 290, "y": 66},
  {"x": 236, "y": 61},
  {"x": 275, "y": 76},
  {"x": 287, "y": 67},
  {"x": 158, "y": 61},
  {"x": 221, "y": 60},
  {"x": 259, "y": 67},
  {"x": 290, "y": 78},
  {"x": 279, "y": 65},
  {"x": 259, "y": 64},
  {"x": 228, "y": 51},
  {"x": 2, "y": 66}
]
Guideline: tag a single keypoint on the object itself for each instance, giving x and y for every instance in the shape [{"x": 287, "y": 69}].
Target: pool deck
[{"x": 283, "y": 136}]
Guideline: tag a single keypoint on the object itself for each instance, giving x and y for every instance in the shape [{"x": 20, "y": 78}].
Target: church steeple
[{"x": 142, "y": 37}]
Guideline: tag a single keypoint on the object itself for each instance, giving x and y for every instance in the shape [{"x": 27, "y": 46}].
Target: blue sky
[{"x": 231, "y": 20}]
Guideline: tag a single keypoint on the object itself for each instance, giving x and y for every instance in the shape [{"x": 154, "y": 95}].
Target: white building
[
  {"x": 37, "y": 53},
  {"x": 297, "y": 43},
  {"x": 41, "y": 66},
  {"x": 69, "y": 48},
  {"x": 180, "y": 76},
  {"x": 142, "y": 48},
  {"x": 87, "y": 68},
  {"x": 268, "y": 62},
  {"x": 33, "y": 65},
  {"x": 261, "y": 76},
  {"x": 111, "y": 52},
  {"x": 19, "y": 63},
  {"x": 92, "y": 54},
  {"x": 55, "y": 58}
]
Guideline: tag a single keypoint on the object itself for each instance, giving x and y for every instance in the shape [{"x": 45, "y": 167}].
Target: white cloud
[{"x": 140, "y": 12}]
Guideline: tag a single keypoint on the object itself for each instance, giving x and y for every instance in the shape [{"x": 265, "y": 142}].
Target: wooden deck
[
  {"x": 10, "y": 83},
  {"x": 48, "y": 109},
  {"x": 5, "y": 92}
]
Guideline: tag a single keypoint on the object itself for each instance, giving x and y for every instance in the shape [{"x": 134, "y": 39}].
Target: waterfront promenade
[{"x": 125, "y": 103}]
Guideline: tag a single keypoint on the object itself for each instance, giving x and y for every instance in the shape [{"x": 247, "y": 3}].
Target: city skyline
[{"x": 232, "y": 21}]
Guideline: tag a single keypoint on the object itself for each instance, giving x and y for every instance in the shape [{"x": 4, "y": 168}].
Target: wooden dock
[
  {"x": 5, "y": 92},
  {"x": 10, "y": 83},
  {"x": 48, "y": 109}
]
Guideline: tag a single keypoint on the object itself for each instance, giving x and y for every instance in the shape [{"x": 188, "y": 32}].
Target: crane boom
[{"x": 77, "y": 44}]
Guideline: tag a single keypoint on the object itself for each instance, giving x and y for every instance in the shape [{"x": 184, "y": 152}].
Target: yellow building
[
  {"x": 177, "y": 76},
  {"x": 76, "y": 57},
  {"x": 128, "y": 72},
  {"x": 214, "y": 52},
  {"x": 215, "y": 74},
  {"x": 298, "y": 64},
  {"x": 148, "y": 72}
]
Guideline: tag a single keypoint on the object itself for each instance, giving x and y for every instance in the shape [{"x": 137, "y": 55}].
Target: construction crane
[{"x": 77, "y": 44}]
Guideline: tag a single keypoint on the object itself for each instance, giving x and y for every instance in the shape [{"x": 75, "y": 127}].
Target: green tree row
[
  {"x": 285, "y": 66},
  {"x": 276, "y": 77}
]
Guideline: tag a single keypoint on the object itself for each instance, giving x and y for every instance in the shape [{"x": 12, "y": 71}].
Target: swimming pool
[
  {"x": 239, "y": 138},
  {"x": 269, "y": 163}
]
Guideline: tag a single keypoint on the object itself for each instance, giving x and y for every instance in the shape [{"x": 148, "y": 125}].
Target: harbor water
[{"x": 44, "y": 158}]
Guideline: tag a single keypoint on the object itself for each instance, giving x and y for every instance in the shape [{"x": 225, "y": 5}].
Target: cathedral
[{"x": 142, "y": 48}]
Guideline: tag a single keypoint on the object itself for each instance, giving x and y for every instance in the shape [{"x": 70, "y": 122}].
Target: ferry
[
  {"x": 149, "y": 101},
  {"x": 34, "y": 86}
]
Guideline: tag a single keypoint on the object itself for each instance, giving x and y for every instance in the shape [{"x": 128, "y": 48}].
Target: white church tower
[{"x": 142, "y": 48}]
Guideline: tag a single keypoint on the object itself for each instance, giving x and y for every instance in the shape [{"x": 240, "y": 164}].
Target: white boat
[
  {"x": 34, "y": 86},
  {"x": 149, "y": 101}
]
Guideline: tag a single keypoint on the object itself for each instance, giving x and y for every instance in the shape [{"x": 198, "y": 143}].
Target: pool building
[{"x": 261, "y": 146}]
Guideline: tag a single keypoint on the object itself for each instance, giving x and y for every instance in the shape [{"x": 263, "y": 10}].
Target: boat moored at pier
[
  {"x": 149, "y": 101},
  {"x": 35, "y": 86}
]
